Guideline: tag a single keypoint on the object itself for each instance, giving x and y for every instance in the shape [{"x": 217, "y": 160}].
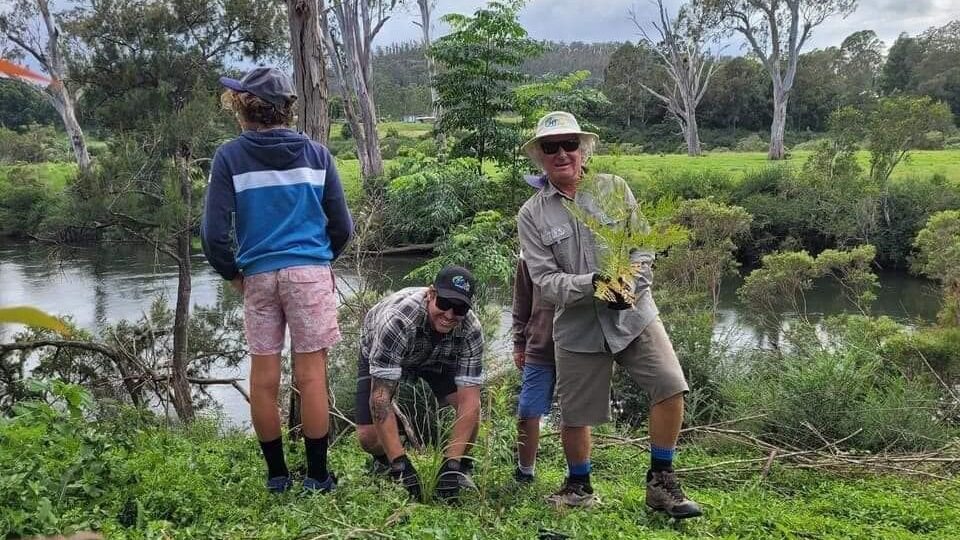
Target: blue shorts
[{"x": 536, "y": 390}]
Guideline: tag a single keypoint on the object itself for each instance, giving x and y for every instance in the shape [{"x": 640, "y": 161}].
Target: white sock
[{"x": 527, "y": 470}]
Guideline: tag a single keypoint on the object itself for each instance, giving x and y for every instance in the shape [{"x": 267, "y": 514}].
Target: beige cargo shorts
[{"x": 583, "y": 379}]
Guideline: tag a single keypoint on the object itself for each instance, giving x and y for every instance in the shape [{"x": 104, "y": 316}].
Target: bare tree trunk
[
  {"x": 62, "y": 101},
  {"x": 182, "y": 396},
  {"x": 692, "y": 130},
  {"x": 779, "y": 124},
  {"x": 351, "y": 60},
  {"x": 309, "y": 69},
  {"x": 426, "y": 9},
  {"x": 357, "y": 52},
  {"x": 681, "y": 46},
  {"x": 58, "y": 93}
]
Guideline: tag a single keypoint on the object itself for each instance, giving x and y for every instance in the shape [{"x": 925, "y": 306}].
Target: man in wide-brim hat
[{"x": 591, "y": 334}]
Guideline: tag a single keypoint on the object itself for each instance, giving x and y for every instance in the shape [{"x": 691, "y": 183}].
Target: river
[{"x": 105, "y": 284}]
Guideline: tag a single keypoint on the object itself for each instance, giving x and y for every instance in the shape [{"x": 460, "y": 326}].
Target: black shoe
[{"x": 522, "y": 477}]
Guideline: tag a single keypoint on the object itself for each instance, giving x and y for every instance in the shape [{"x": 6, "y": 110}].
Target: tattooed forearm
[{"x": 381, "y": 399}]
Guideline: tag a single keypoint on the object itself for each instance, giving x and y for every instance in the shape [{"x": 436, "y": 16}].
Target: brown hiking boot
[
  {"x": 576, "y": 494},
  {"x": 664, "y": 494}
]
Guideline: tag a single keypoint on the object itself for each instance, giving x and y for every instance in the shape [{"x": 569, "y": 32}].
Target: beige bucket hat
[{"x": 557, "y": 123}]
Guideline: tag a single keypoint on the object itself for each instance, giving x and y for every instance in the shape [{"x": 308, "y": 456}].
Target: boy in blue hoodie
[{"x": 275, "y": 219}]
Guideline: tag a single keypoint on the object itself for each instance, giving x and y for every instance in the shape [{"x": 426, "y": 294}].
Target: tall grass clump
[
  {"x": 818, "y": 390},
  {"x": 697, "y": 183}
]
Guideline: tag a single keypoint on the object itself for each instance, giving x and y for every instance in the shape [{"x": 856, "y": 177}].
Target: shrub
[
  {"x": 936, "y": 349},
  {"x": 426, "y": 198},
  {"x": 686, "y": 184},
  {"x": 931, "y": 140},
  {"x": 25, "y": 202},
  {"x": 35, "y": 144},
  {"x": 390, "y": 146},
  {"x": 485, "y": 245},
  {"x": 813, "y": 393},
  {"x": 751, "y": 143}
]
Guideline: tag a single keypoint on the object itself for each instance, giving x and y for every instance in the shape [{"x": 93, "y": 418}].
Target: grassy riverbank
[{"x": 128, "y": 476}]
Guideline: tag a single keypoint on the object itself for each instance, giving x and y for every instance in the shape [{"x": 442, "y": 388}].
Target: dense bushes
[
  {"x": 35, "y": 144},
  {"x": 26, "y": 201},
  {"x": 426, "y": 198}
]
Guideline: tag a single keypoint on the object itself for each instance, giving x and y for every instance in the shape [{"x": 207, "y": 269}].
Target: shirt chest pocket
[{"x": 559, "y": 238}]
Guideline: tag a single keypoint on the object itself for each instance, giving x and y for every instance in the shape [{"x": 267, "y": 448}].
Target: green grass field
[
  {"x": 919, "y": 163},
  {"x": 634, "y": 167},
  {"x": 637, "y": 168}
]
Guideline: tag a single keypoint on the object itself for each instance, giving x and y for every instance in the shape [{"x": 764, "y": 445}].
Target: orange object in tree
[{"x": 10, "y": 69}]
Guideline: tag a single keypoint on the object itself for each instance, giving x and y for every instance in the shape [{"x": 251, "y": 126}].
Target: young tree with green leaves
[
  {"x": 938, "y": 257},
  {"x": 891, "y": 128},
  {"x": 479, "y": 64},
  {"x": 627, "y": 232}
]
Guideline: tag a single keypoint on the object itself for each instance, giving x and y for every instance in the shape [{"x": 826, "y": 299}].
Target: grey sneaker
[
  {"x": 465, "y": 478},
  {"x": 575, "y": 494},
  {"x": 522, "y": 477},
  {"x": 664, "y": 494},
  {"x": 377, "y": 468}
]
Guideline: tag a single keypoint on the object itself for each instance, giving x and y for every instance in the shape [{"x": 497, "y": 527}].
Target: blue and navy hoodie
[{"x": 279, "y": 193}]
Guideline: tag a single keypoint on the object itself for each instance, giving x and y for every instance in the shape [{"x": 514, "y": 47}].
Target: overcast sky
[{"x": 606, "y": 20}]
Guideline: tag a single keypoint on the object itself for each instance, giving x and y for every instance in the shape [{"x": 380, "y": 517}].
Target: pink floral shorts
[{"x": 301, "y": 297}]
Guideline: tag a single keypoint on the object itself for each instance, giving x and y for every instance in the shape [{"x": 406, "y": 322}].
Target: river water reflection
[{"x": 105, "y": 284}]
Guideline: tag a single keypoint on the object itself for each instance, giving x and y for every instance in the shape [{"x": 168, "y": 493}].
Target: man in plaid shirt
[{"x": 428, "y": 333}]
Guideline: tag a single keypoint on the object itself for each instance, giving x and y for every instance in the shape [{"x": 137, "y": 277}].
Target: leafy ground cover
[{"x": 130, "y": 476}]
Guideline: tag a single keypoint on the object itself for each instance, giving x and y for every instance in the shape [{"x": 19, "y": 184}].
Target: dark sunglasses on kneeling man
[
  {"x": 459, "y": 308},
  {"x": 552, "y": 147}
]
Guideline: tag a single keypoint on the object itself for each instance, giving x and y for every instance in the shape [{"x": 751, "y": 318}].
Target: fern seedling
[{"x": 619, "y": 228}]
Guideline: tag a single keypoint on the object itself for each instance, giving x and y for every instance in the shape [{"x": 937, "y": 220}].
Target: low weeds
[{"x": 68, "y": 465}]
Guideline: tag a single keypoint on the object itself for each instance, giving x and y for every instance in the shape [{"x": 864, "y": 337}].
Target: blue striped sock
[
  {"x": 579, "y": 471},
  {"x": 661, "y": 459}
]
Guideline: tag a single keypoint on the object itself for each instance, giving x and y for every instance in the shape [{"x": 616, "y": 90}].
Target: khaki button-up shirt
[{"x": 561, "y": 255}]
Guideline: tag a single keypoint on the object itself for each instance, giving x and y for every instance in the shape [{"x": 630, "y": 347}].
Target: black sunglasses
[
  {"x": 552, "y": 147},
  {"x": 459, "y": 308}
]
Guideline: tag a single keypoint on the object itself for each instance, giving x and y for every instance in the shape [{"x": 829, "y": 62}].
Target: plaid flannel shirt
[{"x": 397, "y": 336}]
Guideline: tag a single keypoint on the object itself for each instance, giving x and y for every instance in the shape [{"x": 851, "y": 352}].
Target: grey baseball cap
[{"x": 267, "y": 83}]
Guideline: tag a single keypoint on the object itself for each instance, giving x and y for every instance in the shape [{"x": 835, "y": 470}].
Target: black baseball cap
[
  {"x": 267, "y": 83},
  {"x": 455, "y": 283}
]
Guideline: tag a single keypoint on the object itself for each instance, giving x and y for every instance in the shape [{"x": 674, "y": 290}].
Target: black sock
[
  {"x": 273, "y": 454},
  {"x": 316, "y": 457},
  {"x": 583, "y": 479},
  {"x": 661, "y": 464},
  {"x": 382, "y": 459}
]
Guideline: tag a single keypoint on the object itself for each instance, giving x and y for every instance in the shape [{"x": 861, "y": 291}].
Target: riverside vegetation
[
  {"x": 843, "y": 427},
  {"x": 848, "y": 389}
]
